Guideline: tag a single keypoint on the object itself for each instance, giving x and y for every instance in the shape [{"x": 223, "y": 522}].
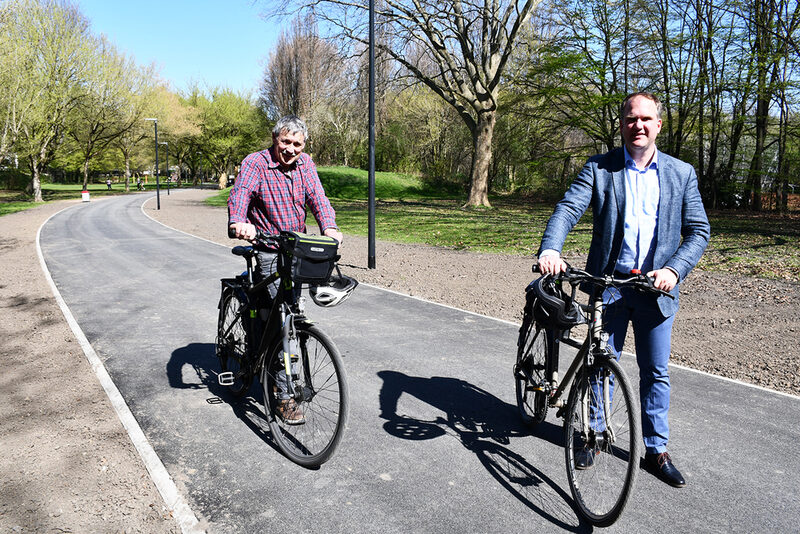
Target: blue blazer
[{"x": 682, "y": 230}]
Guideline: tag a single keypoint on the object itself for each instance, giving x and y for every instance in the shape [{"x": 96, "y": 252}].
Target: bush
[{"x": 14, "y": 179}]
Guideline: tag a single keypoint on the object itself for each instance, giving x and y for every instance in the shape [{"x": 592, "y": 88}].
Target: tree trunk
[
  {"x": 127, "y": 174},
  {"x": 85, "y": 173},
  {"x": 481, "y": 157},
  {"x": 36, "y": 183}
]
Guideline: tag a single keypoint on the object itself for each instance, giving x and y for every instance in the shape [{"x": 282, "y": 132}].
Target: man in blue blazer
[{"x": 648, "y": 215}]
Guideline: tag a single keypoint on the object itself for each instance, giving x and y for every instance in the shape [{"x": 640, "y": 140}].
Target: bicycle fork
[{"x": 290, "y": 346}]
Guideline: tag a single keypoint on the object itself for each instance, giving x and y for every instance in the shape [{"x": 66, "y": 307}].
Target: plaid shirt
[{"x": 266, "y": 197}]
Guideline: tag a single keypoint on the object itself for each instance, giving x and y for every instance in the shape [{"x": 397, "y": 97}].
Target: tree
[
  {"x": 459, "y": 50},
  {"x": 769, "y": 46},
  {"x": 53, "y": 40},
  {"x": 231, "y": 128},
  {"x": 140, "y": 95},
  {"x": 302, "y": 70},
  {"x": 107, "y": 109}
]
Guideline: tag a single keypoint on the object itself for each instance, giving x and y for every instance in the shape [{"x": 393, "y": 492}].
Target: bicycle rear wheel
[
  {"x": 320, "y": 393},
  {"x": 603, "y": 441},
  {"x": 530, "y": 374},
  {"x": 231, "y": 344}
]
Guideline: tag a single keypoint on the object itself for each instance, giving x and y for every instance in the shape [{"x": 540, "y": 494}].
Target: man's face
[
  {"x": 288, "y": 147},
  {"x": 640, "y": 125}
]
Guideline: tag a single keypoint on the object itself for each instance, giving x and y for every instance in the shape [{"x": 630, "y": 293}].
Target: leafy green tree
[
  {"x": 109, "y": 107},
  {"x": 53, "y": 43},
  {"x": 232, "y": 126}
]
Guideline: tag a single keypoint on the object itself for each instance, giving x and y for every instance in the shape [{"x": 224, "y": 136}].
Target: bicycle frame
[
  {"x": 285, "y": 310},
  {"x": 594, "y": 345}
]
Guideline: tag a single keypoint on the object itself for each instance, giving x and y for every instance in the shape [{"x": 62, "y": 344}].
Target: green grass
[
  {"x": 511, "y": 226},
  {"x": 408, "y": 211},
  {"x": 755, "y": 244},
  {"x": 346, "y": 184},
  {"x": 14, "y": 201}
]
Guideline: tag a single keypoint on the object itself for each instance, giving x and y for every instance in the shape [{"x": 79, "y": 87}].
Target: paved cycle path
[{"x": 434, "y": 443}]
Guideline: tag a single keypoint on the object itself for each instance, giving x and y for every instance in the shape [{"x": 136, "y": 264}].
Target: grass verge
[{"x": 409, "y": 211}]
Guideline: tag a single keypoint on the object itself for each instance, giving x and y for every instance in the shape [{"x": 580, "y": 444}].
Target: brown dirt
[
  {"x": 68, "y": 465},
  {"x": 734, "y": 326}
]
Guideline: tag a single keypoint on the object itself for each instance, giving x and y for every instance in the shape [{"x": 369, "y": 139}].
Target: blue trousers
[{"x": 653, "y": 339}]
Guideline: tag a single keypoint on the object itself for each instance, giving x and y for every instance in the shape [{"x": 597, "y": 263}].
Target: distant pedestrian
[{"x": 108, "y": 183}]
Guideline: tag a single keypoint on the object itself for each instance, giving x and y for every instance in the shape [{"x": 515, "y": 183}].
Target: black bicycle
[
  {"x": 300, "y": 369},
  {"x": 602, "y": 426}
]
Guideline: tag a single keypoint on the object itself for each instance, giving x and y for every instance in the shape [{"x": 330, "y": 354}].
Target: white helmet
[{"x": 335, "y": 291}]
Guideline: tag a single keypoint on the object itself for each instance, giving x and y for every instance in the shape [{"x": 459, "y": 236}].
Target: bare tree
[
  {"x": 464, "y": 49},
  {"x": 302, "y": 70}
]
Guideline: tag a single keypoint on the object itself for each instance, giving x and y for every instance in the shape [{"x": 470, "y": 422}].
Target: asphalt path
[{"x": 434, "y": 443}]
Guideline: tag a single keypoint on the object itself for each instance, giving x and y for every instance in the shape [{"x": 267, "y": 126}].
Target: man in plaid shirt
[
  {"x": 275, "y": 185},
  {"x": 271, "y": 193}
]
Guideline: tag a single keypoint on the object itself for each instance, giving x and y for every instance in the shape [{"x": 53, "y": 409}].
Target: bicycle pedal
[{"x": 225, "y": 379}]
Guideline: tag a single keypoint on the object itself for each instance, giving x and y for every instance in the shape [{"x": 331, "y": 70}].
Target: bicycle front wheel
[
  {"x": 530, "y": 374},
  {"x": 231, "y": 345},
  {"x": 603, "y": 441},
  {"x": 320, "y": 400}
]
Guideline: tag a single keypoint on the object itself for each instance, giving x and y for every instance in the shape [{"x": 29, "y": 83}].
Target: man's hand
[
  {"x": 244, "y": 231},
  {"x": 664, "y": 279},
  {"x": 551, "y": 264},
  {"x": 334, "y": 233}
]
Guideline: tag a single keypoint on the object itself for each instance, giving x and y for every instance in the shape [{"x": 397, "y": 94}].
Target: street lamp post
[
  {"x": 169, "y": 175},
  {"x": 158, "y": 187},
  {"x": 371, "y": 142}
]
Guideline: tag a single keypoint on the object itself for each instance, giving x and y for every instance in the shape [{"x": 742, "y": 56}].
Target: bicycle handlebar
[
  {"x": 261, "y": 238},
  {"x": 638, "y": 280}
]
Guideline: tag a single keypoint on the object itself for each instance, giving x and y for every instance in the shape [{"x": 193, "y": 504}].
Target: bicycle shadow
[
  {"x": 484, "y": 425},
  {"x": 203, "y": 364}
]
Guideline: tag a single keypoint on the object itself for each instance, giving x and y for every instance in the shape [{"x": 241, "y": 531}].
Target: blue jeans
[
  {"x": 653, "y": 339},
  {"x": 266, "y": 264}
]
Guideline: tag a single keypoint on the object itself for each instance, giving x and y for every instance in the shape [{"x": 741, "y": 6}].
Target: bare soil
[
  {"x": 67, "y": 464},
  {"x": 739, "y": 327}
]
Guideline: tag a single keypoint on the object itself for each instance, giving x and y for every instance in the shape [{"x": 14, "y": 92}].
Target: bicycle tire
[
  {"x": 231, "y": 342},
  {"x": 321, "y": 393},
  {"x": 602, "y": 489},
  {"x": 530, "y": 374}
]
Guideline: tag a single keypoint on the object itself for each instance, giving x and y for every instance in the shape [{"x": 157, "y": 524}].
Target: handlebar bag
[{"x": 312, "y": 257}]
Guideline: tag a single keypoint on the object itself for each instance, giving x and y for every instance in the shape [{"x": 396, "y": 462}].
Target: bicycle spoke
[
  {"x": 322, "y": 397},
  {"x": 603, "y": 442}
]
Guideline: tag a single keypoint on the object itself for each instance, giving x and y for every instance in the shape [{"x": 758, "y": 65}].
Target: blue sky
[{"x": 223, "y": 43}]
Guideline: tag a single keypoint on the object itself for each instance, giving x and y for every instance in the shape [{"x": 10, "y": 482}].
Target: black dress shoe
[
  {"x": 662, "y": 465},
  {"x": 584, "y": 458}
]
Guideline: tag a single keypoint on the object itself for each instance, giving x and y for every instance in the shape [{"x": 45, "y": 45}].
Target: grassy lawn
[
  {"x": 13, "y": 201},
  {"x": 409, "y": 211}
]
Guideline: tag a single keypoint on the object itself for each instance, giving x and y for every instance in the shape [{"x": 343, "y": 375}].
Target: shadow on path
[
  {"x": 484, "y": 425},
  {"x": 202, "y": 360}
]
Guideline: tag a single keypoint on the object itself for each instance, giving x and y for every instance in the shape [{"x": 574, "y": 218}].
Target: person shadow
[
  {"x": 196, "y": 366},
  {"x": 484, "y": 425}
]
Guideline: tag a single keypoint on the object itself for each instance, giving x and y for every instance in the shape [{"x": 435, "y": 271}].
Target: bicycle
[
  {"x": 602, "y": 425},
  {"x": 282, "y": 342}
]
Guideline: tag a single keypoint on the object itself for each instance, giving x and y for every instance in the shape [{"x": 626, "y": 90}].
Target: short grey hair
[{"x": 291, "y": 124}]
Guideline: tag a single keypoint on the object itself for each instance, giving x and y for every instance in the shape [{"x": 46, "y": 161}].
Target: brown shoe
[{"x": 290, "y": 413}]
